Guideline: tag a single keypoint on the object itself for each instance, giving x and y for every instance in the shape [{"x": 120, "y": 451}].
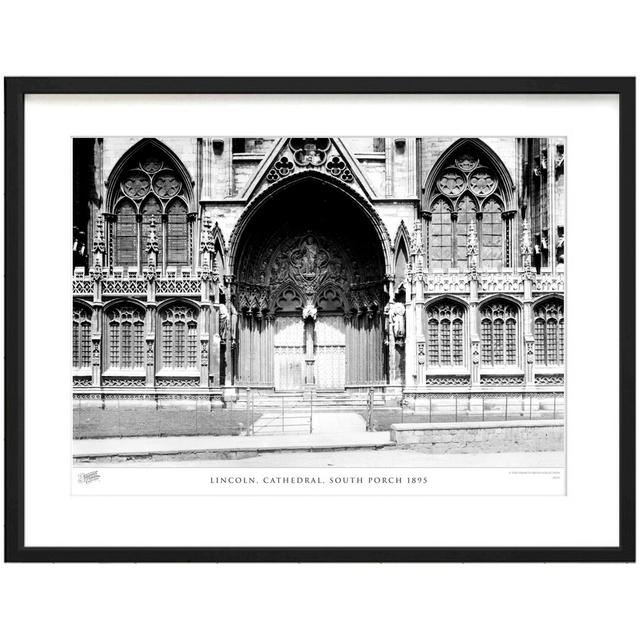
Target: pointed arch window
[
  {"x": 178, "y": 325},
  {"x": 466, "y": 210},
  {"x": 150, "y": 188},
  {"x": 549, "y": 333},
  {"x": 499, "y": 334},
  {"x": 125, "y": 338},
  {"x": 468, "y": 185},
  {"x": 441, "y": 233},
  {"x": 491, "y": 254},
  {"x": 445, "y": 335},
  {"x": 81, "y": 339}
]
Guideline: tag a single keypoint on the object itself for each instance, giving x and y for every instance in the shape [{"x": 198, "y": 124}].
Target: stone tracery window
[
  {"x": 178, "y": 325},
  {"x": 467, "y": 186},
  {"x": 150, "y": 188},
  {"x": 499, "y": 334},
  {"x": 125, "y": 338},
  {"x": 81, "y": 340},
  {"x": 549, "y": 333},
  {"x": 445, "y": 335}
]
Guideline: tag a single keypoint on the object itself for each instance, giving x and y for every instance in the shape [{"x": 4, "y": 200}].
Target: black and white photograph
[{"x": 301, "y": 302}]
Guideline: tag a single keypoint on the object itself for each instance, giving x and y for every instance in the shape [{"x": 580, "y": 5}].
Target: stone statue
[
  {"x": 228, "y": 321},
  {"x": 394, "y": 311}
]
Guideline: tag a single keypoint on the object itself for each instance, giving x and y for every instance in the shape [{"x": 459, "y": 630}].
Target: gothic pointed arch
[
  {"x": 445, "y": 329},
  {"x": 401, "y": 256},
  {"x": 177, "y": 337},
  {"x": 124, "y": 336},
  {"x": 500, "y": 319},
  {"x": 289, "y": 181},
  {"x": 158, "y": 156},
  {"x": 220, "y": 250},
  {"x": 149, "y": 187},
  {"x": 309, "y": 284},
  {"x": 549, "y": 332},
  {"x": 81, "y": 336},
  {"x": 468, "y": 182}
]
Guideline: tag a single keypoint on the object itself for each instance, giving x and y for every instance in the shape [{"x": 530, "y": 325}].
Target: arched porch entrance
[{"x": 309, "y": 290}]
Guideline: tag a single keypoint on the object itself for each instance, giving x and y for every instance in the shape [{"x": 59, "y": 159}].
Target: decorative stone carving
[
  {"x": 82, "y": 287},
  {"x": 152, "y": 242},
  {"x": 549, "y": 283},
  {"x": 475, "y": 352},
  {"x": 446, "y": 283},
  {"x": 530, "y": 351},
  {"x": 482, "y": 182},
  {"x": 98, "y": 241},
  {"x": 95, "y": 355},
  {"x": 502, "y": 380},
  {"x": 309, "y": 152},
  {"x": 421, "y": 353},
  {"x": 396, "y": 320},
  {"x": 466, "y": 162},
  {"x": 228, "y": 322},
  {"x": 525, "y": 246},
  {"x": 309, "y": 311},
  {"x": 472, "y": 246},
  {"x": 133, "y": 381},
  {"x": 451, "y": 183},
  {"x": 282, "y": 168},
  {"x": 556, "y": 378},
  {"x": 150, "y": 352},
  {"x": 166, "y": 185},
  {"x": 338, "y": 168},
  {"x": 171, "y": 381},
  {"x": 204, "y": 352},
  {"x": 171, "y": 286},
  {"x": 500, "y": 283},
  {"x": 136, "y": 184},
  {"x": 460, "y": 380}
]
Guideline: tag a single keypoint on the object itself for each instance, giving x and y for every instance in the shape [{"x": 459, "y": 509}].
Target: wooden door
[
  {"x": 330, "y": 352},
  {"x": 288, "y": 353}
]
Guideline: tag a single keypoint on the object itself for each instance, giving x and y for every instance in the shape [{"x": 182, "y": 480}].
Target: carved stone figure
[
  {"x": 472, "y": 245},
  {"x": 396, "y": 319},
  {"x": 309, "y": 311}
]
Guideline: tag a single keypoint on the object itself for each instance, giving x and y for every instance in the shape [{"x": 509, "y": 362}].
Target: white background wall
[{"x": 364, "y": 601}]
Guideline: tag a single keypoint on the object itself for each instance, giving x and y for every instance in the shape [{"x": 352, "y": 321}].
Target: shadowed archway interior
[{"x": 309, "y": 290}]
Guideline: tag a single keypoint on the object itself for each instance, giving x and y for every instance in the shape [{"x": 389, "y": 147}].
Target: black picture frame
[{"x": 15, "y": 91}]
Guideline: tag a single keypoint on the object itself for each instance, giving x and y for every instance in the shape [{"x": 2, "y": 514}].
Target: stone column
[
  {"x": 527, "y": 329},
  {"x": 389, "y": 334},
  {"x": 96, "y": 342},
  {"x": 388, "y": 166},
  {"x": 551, "y": 201},
  {"x": 150, "y": 325},
  {"x": 229, "y": 363},
  {"x": 97, "y": 272},
  {"x": 309, "y": 314},
  {"x": 214, "y": 332},
  {"x": 203, "y": 326},
  {"x": 472, "y": 275}
]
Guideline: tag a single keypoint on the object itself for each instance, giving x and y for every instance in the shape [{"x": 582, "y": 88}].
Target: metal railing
[{"x": 256, "y": 413}]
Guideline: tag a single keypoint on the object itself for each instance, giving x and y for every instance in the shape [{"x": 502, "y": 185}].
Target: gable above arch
[{"x": 289, "y": 156}]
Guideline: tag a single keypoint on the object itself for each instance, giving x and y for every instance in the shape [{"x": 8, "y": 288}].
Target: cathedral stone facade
[{"x": 416, "y": 266}]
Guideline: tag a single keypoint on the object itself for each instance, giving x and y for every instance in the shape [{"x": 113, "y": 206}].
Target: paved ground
[{"x": 393, "y": 457}]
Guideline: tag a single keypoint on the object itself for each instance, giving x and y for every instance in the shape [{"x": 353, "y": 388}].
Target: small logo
[{"x": 90, "y": 476}]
